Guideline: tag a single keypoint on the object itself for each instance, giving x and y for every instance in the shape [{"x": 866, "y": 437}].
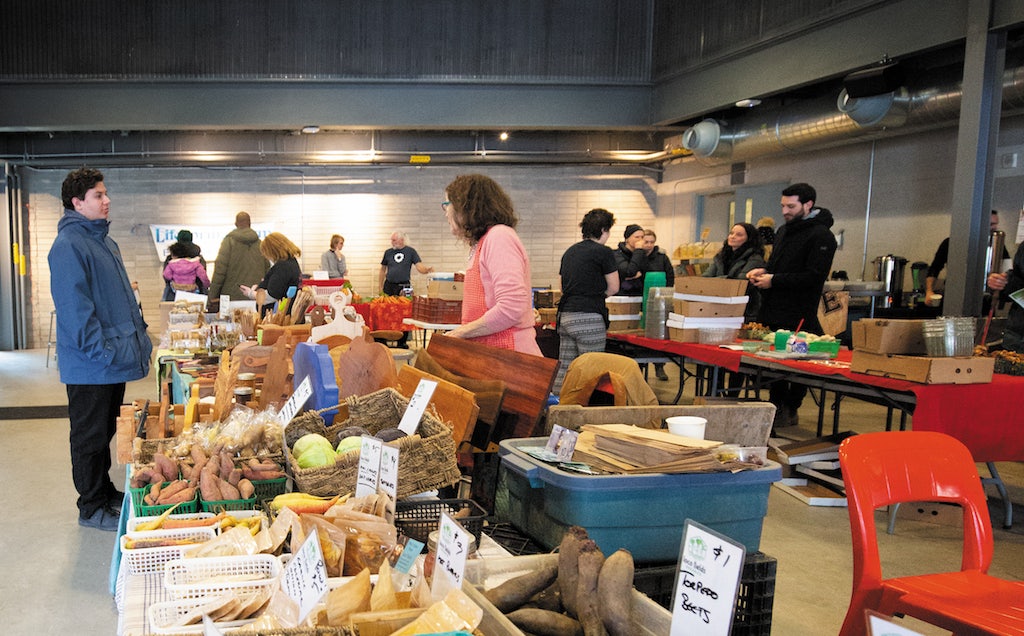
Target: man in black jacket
[
  {"x": 792, "y": 281},
  {"x": 631, "y": 259}
]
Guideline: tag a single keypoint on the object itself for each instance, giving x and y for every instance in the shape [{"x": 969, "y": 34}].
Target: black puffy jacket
[{"x": 800, "y": 262}]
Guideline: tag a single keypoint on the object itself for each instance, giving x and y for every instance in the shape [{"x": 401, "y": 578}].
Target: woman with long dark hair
[{"x": 741, "y": 252}]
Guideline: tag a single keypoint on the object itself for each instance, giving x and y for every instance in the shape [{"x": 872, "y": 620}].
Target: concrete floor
[{"x": 56, "y": 572}]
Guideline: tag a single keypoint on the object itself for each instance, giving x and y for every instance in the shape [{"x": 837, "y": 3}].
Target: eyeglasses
[{"x": 445, "y": 205}]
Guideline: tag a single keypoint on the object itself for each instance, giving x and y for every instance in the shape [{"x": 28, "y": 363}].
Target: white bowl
[{"x": 687, "y": 426}]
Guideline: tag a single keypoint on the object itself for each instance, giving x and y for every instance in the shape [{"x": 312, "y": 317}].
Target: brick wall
[{"x": 365, "y": 205}]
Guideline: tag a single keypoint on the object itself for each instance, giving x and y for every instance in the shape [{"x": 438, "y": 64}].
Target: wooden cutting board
[
  {"x": 453, "y": 404},
  {"x": 366, "y": 367}
]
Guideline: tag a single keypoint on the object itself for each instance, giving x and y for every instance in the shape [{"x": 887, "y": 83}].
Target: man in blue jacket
[
  {"x": 792, "y": 282},
  {"x": 101, "y": 339}
]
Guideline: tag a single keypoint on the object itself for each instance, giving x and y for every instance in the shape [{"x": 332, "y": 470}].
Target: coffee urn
[{"x": 889, "y": 270}]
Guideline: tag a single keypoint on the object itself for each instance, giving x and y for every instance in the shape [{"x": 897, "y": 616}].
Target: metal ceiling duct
[{"x": 825, "y": 122}]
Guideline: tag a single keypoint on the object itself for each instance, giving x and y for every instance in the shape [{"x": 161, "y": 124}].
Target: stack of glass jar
[{"x": 949, "y": 336}]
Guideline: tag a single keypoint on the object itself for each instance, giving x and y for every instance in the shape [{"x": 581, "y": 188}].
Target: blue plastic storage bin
[{"x": 641, "y": 513}]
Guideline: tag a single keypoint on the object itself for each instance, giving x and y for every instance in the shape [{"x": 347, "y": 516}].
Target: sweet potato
[
  {"x": 167, "y": 466},
  {"x": 511, "y": 594},
  {"x": 588, "y": 611},
  {"x": 615, "y": 592},
  {"x": 261, "y": 475},
  {"x": 568, "y": 571},
  {"x": 170, "y": 490},
  {"x": 544, "y": 622},
  {"x": 226, "y": 465},
  {"x": 141, "y": 477},
  {"x": 227, "y": 491},
  {"x": 209, "y": 490},
  {"x": 234, "y": 476},
  {"x": 182, "y": 496},
  {"x": 245, "y": 489},
  {"x": 550, "y": 598},
  {"x": 154, "y": 492}
]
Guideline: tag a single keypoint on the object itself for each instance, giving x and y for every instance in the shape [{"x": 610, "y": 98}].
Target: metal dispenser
[{"x": 889, "y": 270}]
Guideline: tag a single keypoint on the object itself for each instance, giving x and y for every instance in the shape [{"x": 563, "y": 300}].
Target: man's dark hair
[
  {"x": 77, "y": 183},
  {"x": 596, "y": 222},
  {"x": 803, "y": 191}
]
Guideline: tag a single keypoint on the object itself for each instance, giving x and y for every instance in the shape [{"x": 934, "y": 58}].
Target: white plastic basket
[
  {"x": 146, "y": 560},
  {"x": 134, "y": 522},
  {"x": 164, "y": 616},
  {"x": 193, "y": 578}
]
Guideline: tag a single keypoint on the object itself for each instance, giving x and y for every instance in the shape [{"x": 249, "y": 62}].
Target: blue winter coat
[{"x": 101, "y": 336}]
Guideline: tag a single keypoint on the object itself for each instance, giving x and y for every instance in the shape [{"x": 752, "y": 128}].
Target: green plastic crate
[
  {"x": 228, "y": 505},
  {"x": 270, "y": 488},
  {"x": 142, "y": 509}
]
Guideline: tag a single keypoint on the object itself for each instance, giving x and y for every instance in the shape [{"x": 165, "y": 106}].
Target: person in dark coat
[
  {"x": 792, "y": 281},
  {"x": 631, "y": 260}
]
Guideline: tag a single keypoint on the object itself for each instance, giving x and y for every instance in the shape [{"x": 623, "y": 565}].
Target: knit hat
[
  {"x": 184, "y": 236},
  {"x": 631, "y": 229}
]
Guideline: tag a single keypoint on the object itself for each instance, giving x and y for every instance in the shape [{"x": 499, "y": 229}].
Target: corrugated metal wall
[
  {"x": 696, "y": 32},
  {"x": 528, "y": 40}
]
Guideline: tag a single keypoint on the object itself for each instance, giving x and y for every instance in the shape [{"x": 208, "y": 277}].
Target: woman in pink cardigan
[
  {"x": 497, "y": 302},
  {"x": 185, "y": 273}
]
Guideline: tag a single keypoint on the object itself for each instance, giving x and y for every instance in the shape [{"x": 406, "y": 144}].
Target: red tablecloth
[{"x": 985, "y": 417}]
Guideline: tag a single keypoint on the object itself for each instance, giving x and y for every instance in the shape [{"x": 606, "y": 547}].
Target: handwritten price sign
[{"x": 707, "y": 581}]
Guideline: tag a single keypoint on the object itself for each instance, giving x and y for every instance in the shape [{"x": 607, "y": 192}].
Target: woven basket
[{"x": 426, "y": 461}]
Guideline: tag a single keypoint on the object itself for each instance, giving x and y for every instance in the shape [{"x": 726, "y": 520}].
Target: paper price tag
[
  {"x": 295, "y": 402},
  {"x": 707, "y": 582},
  {"x": 412, "y": 549},
  {"x": 417, "y": 403},
  {"x": 304, "y": 579},
  {"x": 388, "y": 480},
  {"x": 369, "y": 466},
  {"x": 450, "y": 560}
]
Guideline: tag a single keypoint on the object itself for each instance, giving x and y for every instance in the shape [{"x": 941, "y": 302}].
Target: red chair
[{"x": 881, "y": 469}]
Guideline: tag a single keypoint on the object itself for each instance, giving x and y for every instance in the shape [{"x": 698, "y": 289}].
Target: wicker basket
[{"x": 426, "y": 461}]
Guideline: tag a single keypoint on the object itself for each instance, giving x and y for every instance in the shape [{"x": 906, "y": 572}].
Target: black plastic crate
[
  {"x": 754, "y": 599},
  {"x": 417, "y": 519}
]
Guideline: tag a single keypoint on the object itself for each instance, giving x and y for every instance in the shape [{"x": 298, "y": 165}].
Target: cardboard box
[
  {"x": 684, "y": 335},
  {"x": 700, "y": 286},
  {"x": 623, "y": 323},
  {"x": 547, "y": 315},
  {"x": 974, "y": 370},
  {"x": 623, "y": 305},
  {"x": 889, "y": 336},
  {"x": 444, "y": 289},
  {"x": 546, "y": 298},
  {"x": 708, "y": 310}
]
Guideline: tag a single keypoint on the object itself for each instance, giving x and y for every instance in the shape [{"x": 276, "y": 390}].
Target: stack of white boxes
[
  {"x": 623, "y": 312},
  {"x": 705, "y": 303}
]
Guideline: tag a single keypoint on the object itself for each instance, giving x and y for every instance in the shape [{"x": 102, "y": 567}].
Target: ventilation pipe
[{"x": 826, "y": 122}]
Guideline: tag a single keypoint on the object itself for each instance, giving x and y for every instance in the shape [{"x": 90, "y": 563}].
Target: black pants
[
  {"x": 787, "y": 395},
  {"x": 395, "y": 289},
  {"x": 93, "y": 411}
]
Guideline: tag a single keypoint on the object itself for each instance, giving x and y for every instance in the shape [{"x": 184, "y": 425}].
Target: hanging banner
[{"x": 207, "y": 237}]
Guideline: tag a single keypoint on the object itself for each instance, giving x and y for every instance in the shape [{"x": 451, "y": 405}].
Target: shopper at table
[
  {"x": 1007, "y": 283},
  {"x": 185, "y": 272},
  {"x": 333, "y": 261},
  {"x": 497, "y": 300},
  {"x": 397, "y": 263},
  {"x": 284, "y": 274},
  {"x": 239, "y": 261},
  {"x": 589, "y": 275},
  {"x": 190, "y": 250},
  {"x": 631, "y": 260},
  {"x": 101, "y": 339},
  {"x": 791, "y": 282},
  {"x": 742, "y": 251}
]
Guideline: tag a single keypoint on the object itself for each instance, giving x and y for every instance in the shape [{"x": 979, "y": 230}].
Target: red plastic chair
[{"x": 881, "y": 469}]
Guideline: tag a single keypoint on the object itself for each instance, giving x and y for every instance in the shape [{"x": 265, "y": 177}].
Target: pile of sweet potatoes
[
  {"x": 215, "y": 477},
  {"x": 585, "y": 594},
  {"x": 219, "y": 479}
]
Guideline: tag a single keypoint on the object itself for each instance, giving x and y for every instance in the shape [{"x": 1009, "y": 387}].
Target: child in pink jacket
[{"x": 184, "y": 273}]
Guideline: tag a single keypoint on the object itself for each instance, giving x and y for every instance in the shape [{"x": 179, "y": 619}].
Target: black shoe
[
  {"x": 115, "y": 499},
  {"x": 103, "y": 519},
  {"x": 659, "y": 372}
]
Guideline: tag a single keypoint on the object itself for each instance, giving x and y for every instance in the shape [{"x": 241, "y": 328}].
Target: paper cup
[
  {"x": 687, "y": 426},
  {"x": 936, "y": 300}
]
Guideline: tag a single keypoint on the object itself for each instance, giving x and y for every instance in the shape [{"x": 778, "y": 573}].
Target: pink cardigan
[{"x": 505, "y": 274}]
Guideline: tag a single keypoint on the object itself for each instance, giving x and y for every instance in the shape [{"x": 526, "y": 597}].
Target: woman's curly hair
[{"x": 479, "y": 204}]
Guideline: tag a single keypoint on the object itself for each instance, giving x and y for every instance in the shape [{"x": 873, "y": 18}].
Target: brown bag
[{"x": 833, "y": 310}]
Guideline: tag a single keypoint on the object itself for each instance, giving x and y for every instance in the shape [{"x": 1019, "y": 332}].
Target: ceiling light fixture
[
  {"x": 748, "y": 103},
  {"x": 310, "y": 130},
  {"x": 503, "y": 136}
]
